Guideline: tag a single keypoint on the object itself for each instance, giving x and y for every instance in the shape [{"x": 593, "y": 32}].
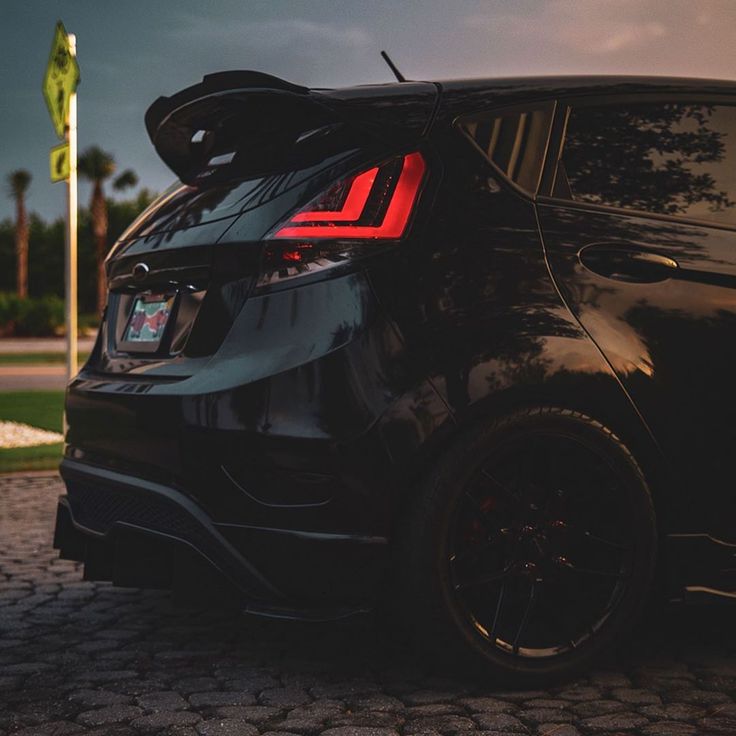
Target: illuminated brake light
[{"x": 373, "y": 207}]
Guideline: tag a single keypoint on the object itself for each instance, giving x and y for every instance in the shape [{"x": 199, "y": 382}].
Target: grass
[
  {"x": 38, "y": 358},
  {"x": 20, "y": 459},
  {"x": 42, "y": 409}
]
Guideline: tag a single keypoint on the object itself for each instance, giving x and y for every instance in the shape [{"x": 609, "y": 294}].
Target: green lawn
[
  {"x": 42, "y": 409},
  {"x": 36, "y": 358}
]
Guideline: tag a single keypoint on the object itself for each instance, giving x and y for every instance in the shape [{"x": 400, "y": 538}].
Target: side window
[
  {"x": 514, "y": 141},
  {"x": 674, "y": 158}
]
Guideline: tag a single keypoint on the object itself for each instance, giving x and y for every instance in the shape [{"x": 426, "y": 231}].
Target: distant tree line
[{"x": 32, "y": 249}]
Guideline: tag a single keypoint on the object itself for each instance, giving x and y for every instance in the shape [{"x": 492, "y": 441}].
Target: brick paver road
[{"x": 79, "y": 657}]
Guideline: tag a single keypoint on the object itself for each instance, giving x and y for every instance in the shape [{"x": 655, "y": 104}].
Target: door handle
[{"x": 627, "y": 263}]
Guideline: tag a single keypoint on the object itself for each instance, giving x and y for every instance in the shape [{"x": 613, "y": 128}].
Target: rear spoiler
[{"x": 249, "y": 114}]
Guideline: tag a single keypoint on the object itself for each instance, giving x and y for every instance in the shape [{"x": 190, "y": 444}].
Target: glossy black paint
[{"x": 297, "y": 421}]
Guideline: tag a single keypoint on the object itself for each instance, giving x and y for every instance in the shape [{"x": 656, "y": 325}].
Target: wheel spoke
[
  {"x": 525, "y": 618},
  {"x": 566, "y": 565},
  {"x": 606, "y": 542},
  {"x": 503, "y": 488},
  {"x": 563, "y": 624},
  {"x": 457, "y": 557},
  {"x": 486, "y": 579},
  {"x": 497, "y": 613},
  {"x": 596, "y": 538}
]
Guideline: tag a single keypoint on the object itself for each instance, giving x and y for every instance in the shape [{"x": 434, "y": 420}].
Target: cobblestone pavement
[{"x": 79, "y": 657}]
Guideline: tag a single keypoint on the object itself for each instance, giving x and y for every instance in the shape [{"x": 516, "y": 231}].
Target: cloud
[
  {"x": 270, "y": 33},
  {"x": 595, "y": 27},
  {"x": 303, "y": 51}
]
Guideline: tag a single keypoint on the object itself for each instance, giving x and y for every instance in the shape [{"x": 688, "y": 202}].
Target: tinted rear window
[
  {"x": 515, "y": 141},
  {"x": 673, "y": 158},
  {"x": 183, "y": 206}
]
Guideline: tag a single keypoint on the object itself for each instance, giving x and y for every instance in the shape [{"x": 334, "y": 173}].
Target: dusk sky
[{"x": 131, "y": 52}]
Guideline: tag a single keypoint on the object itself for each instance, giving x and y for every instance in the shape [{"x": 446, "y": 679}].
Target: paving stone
[
  {"x": 715, "y": 724},
  {"x": 226, "y": 727},
  {"x": 699, "y": 697},
  {"x": 434, "y": 709},
  {"x": 53, "y": 728},
  {"x": 251, "y": 714},
  {"x": 378, "y": 703},
  {"x": 189, "y": 685},
  {"x": 597, "y": 708},
  {"x": 441, "y": 724},
  {"x": 165, "y": 719},
  {"x": 358, "y": 731},
  {"x": 673, "y": 712},
  {"x": 381, "y": 719},
  {"x": 164, "y": 700},
  {"x": 557, "y": 729},
  {"x": 499, "y": 722},
  {"x": 546, "y": 703},
  {"x": 545, "y": 715},
  {"x": 634, "y": 696},
  {"x": 670, "y": 728},
  {"x": 284, "y": 697},
  {"x": 342, "y": 690},
  {"x": 624, "y": 721},
  {"x": 109, "y": 715},
  {"x": 487, "y": 705},
  {"x": 214, "y": 698}
]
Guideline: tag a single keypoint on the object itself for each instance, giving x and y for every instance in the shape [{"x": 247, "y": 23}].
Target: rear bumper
[
  {"x": 280, "y": 461},
  {"x": 137, "y": 533}
]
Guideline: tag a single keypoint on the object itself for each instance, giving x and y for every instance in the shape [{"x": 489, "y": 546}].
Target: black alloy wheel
[{"x": 533, "y": 545}]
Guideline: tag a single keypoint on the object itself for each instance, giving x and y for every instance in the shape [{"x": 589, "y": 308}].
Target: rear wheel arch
[{"x": 433, "y": 490}]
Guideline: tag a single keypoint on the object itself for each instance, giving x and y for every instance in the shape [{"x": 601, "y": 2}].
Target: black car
[{"x": 465, "y": 348}]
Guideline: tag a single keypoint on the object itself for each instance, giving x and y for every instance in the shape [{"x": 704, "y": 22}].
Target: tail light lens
[{"x": 346, "y": 221}]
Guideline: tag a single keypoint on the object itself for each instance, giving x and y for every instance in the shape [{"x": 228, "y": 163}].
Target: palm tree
[
  {"x": 97, "y": 165},
  {"x": 127, "y": 179},
  {"x": 18, "y": 182}
]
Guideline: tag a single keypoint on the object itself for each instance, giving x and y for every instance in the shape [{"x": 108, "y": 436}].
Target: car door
[{"x": 639, "y": 224}]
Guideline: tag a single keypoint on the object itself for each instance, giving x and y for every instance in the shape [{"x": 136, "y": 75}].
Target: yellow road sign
[
  {"x": 60, "y": 80},
  {"x": 59, "y": 162}
]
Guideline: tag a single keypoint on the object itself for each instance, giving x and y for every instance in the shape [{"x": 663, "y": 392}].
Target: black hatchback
[{"x": 463, "y": 349}]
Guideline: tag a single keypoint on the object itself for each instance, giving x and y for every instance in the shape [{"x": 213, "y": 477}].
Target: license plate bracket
[{"x": 147, "y": 322}]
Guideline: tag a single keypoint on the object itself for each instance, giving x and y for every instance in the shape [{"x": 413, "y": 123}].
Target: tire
[{"x": 529, "y": 550}]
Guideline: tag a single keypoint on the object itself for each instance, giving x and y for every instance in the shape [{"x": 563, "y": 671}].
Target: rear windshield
[{"x": 183, "y": 206}]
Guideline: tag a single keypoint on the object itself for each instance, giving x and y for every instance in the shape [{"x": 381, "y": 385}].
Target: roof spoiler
[
  {"x": 250, "y": 117},
  {"x": 211, "y": 118}
]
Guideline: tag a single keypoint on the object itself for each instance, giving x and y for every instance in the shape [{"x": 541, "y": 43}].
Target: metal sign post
[
  {"x": 70, "y": 275},
  {"x": 60, "y": 91}
]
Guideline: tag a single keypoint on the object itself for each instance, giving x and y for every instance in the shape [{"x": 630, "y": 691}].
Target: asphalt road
[
  {"x": 36, "y": 377},
  {"x": 42, "y": 344},
  {"x": 80, "y": 657},
  {"x": 32, "y": 377}
]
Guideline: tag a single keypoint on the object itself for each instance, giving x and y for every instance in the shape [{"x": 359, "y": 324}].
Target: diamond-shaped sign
[
  {"x": 59, "y": 162},
  {"x": 61, "y": 79}
]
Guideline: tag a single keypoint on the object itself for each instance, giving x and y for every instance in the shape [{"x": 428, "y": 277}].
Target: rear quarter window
[{"x": 514, "y": 141}]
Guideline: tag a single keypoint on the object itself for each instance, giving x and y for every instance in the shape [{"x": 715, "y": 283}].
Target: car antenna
[{"x": 392, "y": 66}]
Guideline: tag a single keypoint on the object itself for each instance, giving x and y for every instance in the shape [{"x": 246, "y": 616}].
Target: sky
[{"x": 132, "y": 51}]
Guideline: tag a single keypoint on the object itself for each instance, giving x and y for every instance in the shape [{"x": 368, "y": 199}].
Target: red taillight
[{"x": 375, "y": 204}]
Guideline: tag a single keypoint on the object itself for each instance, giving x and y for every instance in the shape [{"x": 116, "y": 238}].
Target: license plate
[{"x": 148, "y": 319}]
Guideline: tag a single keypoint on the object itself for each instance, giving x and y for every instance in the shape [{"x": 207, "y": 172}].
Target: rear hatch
[{"x": 248, "y": 149}]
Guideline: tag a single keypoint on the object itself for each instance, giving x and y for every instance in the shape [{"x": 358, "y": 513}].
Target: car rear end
[{"x": 249, "y": 409}]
